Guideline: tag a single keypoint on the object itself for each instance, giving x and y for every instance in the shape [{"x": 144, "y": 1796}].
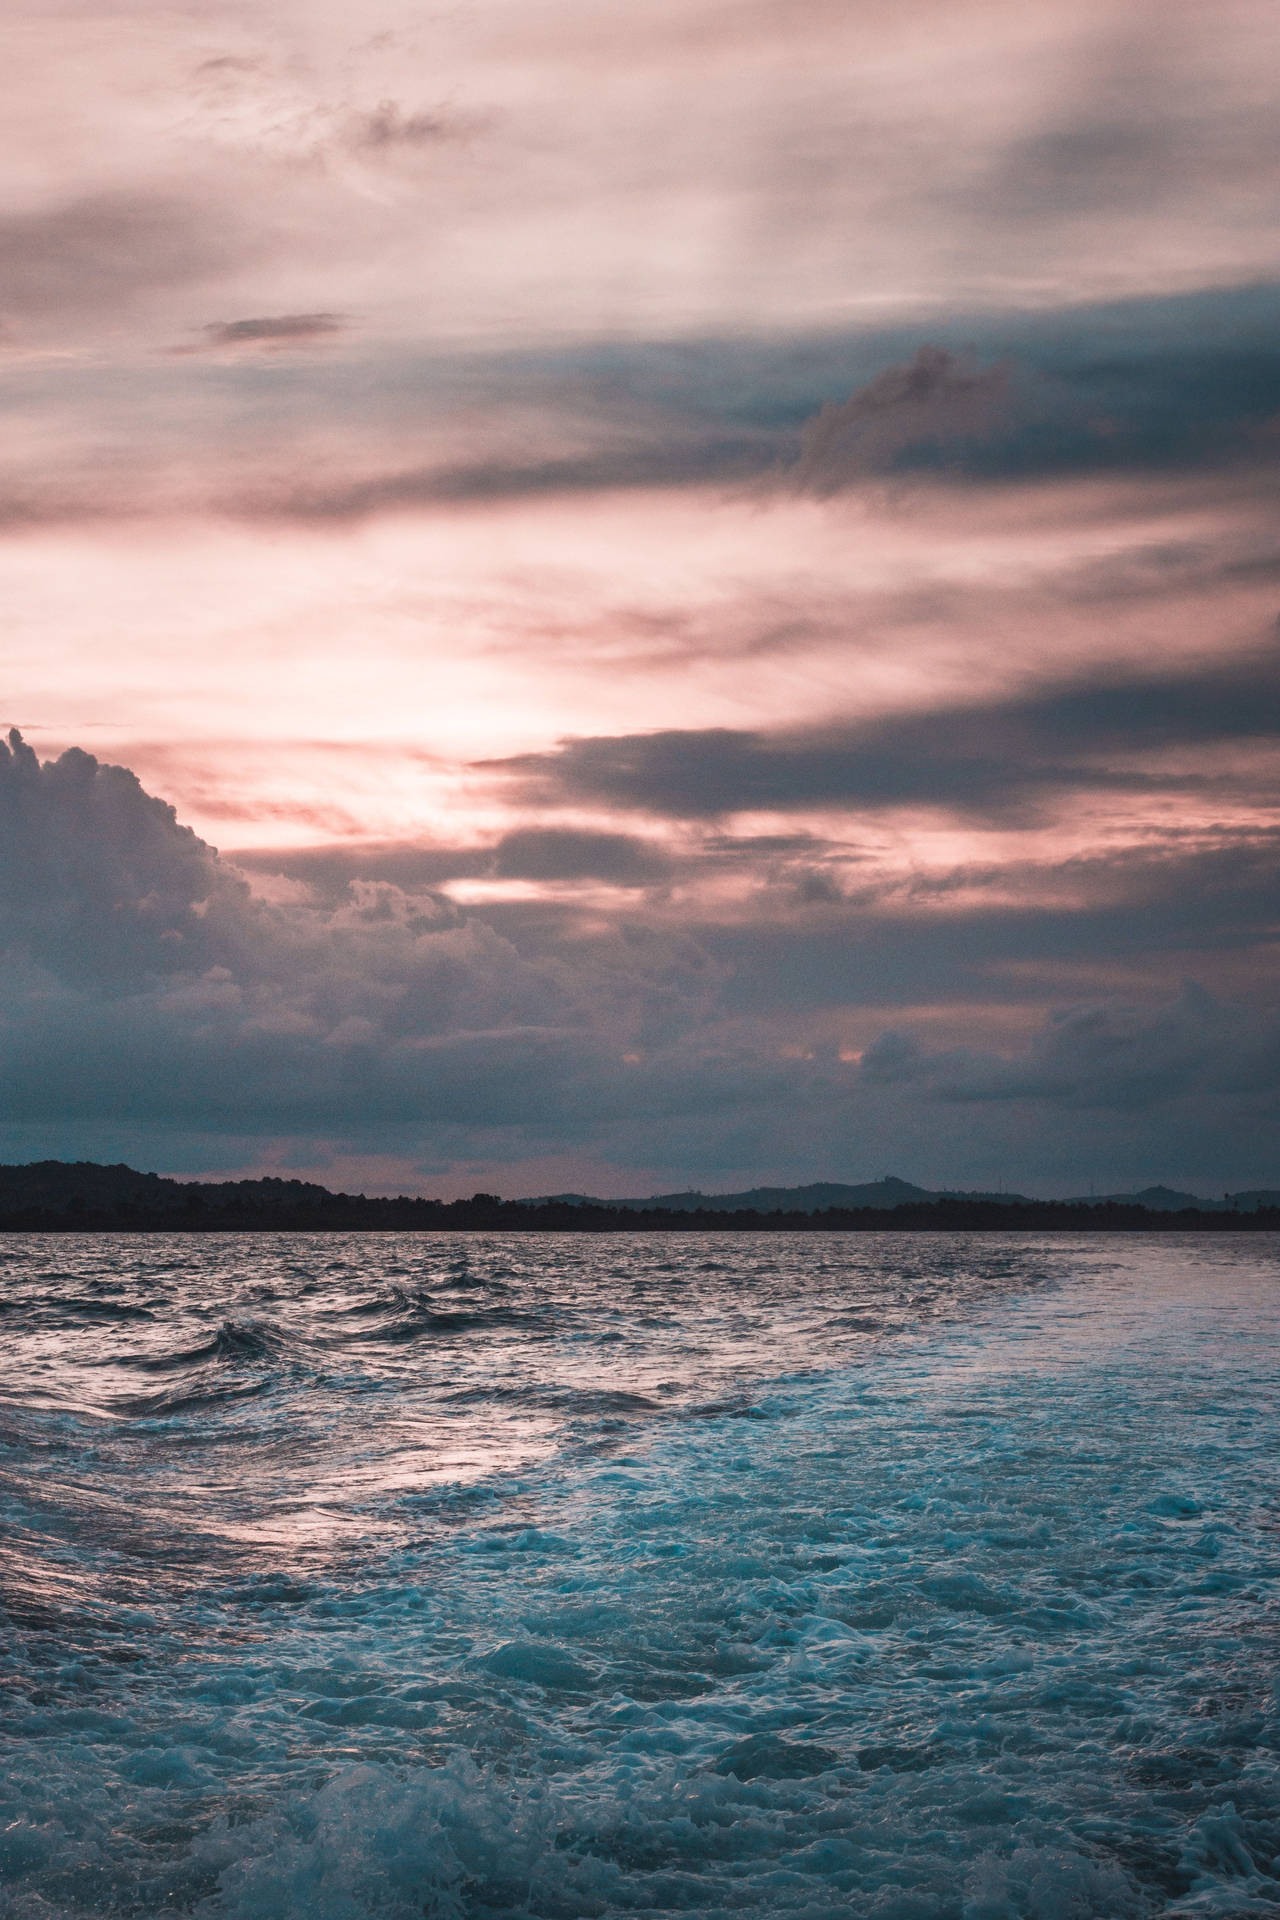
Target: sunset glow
[{"x": 710, "y": 571}]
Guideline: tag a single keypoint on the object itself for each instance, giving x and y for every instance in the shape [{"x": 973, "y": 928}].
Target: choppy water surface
[{"x": 914, "y": 1577}]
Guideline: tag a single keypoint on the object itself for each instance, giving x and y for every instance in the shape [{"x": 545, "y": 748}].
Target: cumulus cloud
[
  {"x": 97, "y": 878},
  {"x": 144, "y": 977},
  {"x": 103, "y": 887}
]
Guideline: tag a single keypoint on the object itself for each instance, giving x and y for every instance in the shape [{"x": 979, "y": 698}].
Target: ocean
[{"x": 915, "y": 1577}]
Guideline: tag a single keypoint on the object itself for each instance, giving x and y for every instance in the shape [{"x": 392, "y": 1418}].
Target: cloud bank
[{"x": 153, "y": 997}]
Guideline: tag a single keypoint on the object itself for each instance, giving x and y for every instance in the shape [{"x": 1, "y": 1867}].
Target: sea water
[{"x": 915, "y": 1577}]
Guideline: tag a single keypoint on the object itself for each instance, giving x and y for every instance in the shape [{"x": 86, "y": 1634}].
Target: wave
[
  {"x": 168, "y": 1405},
  {"x": 409, "y": 1316},
  {"x": 232, "y": 1343}
]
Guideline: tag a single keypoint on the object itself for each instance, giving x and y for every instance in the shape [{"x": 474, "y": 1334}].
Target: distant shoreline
[
  {"x": 464, "y": 1216},
  {"x": 83, "y": 1196}
]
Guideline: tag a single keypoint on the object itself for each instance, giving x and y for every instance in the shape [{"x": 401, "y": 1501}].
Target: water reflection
[{"x": 278, "y": 1394}]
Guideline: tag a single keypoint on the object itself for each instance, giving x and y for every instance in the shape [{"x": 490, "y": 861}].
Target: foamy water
[{"x": 911, "y": 1577}]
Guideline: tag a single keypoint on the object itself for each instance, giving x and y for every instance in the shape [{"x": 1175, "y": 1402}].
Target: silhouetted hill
[
  {"x": 815, "y": 1198},
  {"x": 1170, "y": 1200},
  {"x": 892, "y": 1192},
  {"x": 54, "y": 1196},
  {"x": 58, "y": 1184},
  {"x": 1155, "y": 1199}
]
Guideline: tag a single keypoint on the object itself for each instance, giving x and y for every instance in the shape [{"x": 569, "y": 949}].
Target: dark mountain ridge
[
  {"x": 889, "y": 1191},
  {"x": 83, "y": 1196}
]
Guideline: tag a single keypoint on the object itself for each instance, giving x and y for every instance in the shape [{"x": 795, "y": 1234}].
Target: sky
[{"x": 616, "y": 599}]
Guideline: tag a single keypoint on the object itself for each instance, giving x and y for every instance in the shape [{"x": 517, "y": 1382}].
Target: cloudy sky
[{"x": 631, "y": 597}]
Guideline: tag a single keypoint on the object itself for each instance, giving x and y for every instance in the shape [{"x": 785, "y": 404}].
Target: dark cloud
[
  {"x": 1092, "y": 404},
  {"x": 556, "y": 853},
  {"x": 1102, "y": 160},
  {"x": 275, "y": 330},
  {"x": 994, "y": 759},
  {"x": 678, "y": 458},
  {"x": 1017, "y": 935},
  {"x": 389, "y": 126},
  {"x": 891, "y": 1059},
  {"x": 96, "y": 255},
  {"x": 932, "y": 405},
  {"x": 226, "y": 63},
  {"x": 1133, "y": 132},
  {"x": 144, "y": 979},
  {"x": 523, "y": 853},
  {"x": 97, "y": 877},
  {"x": 330, "y": 870},
  {"x": 100, "y": 883},
  {"x": 1110, "y": 1056}
]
